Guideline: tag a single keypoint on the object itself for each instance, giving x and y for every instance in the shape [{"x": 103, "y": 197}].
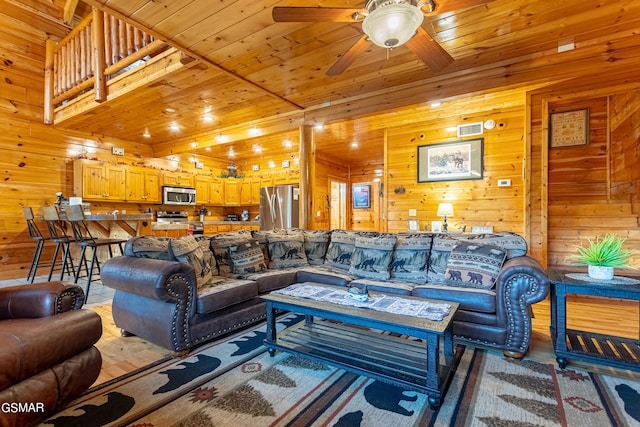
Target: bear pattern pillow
[
  {"x": 410, "y": 258},
  {"x": 286, "y": 250},
  {"x": 372, "y": 256},
  {"x": 340, "y": 249},
  {"x": 474, "y": 265},
  {"x": 316, "y": 243},
  {"x": 247, "y": 257},
  {"x": 187, "y": 250}
]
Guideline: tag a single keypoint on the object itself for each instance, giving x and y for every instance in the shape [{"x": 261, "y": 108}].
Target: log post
[
  {"x": 48, "y": 81},
  {"x": 99, "y": 55},
  {"x": 307, "y": 153}
]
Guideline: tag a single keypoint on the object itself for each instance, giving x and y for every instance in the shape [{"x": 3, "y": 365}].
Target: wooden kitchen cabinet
[
  {"x": 209, "y": 191},
  {"x": 95, "y": 180},
  {"x": 250, "y": 191},
  {"x": 142, "y": 185},
  {"x": 231, "y": 192},
  {"x": 177, "y": 179}
]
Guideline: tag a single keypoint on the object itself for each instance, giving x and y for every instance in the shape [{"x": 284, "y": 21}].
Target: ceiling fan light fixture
[{"x": 392, "y": 23}]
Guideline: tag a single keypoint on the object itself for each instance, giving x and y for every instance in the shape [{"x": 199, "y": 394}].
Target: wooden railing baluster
[{"x": 98, "y": 48}]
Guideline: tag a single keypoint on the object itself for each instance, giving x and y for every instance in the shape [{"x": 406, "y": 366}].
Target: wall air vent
[{"x": 470, "y": 129}]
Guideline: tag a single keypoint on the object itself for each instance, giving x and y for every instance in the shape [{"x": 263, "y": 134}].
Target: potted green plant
[{"x": 603, "y": 255}]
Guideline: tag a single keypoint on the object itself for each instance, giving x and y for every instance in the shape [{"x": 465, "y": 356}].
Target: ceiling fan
[{"x": 386, "y": 23}]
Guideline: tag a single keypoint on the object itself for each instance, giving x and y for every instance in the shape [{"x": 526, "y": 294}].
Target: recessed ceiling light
[
  {"x": 174, "y": 126},
  {"x": 319, "y": 126},
  {"x": 170, "y": 110},
  {"x": 194, "y": 144},
  {"x": 231, "y": 153},
  {"x": 207, "y": 118},
  {"x": 354, "y": 144},
  {"x": 436, "y": 104},
  {"x": 287, "y": 143},
  {"x": 146, "y": 133},
  {"x": 254, "y": 132},
  {"x": 257, "y": 148},
  {"x": 222, "y": 138},
  {"x": 207, "y": 149}
]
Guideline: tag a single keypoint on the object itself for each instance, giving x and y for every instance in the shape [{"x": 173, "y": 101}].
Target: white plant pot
[{"x": 601, "y": 273}]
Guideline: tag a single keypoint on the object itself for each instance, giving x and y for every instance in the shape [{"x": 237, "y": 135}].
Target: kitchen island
[{"x": 120, "y": 226}]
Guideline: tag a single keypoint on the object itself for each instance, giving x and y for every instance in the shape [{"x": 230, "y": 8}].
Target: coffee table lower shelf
[{"x": 395, "y": 360}]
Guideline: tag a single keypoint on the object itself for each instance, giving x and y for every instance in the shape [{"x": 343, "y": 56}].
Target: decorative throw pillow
[
  {"x": 220, "y": 246},
  {"x": 340, "y": 249},
  {"x": 441, "y": 247},
  {"x": 286, "y": 250},
  {"x": 372, "y": 256},
  {"x": 261, "y": 237},
  {"x": 186, "y": 249},
  {"x": 474, "y": 265},
  {"x": 410, "y": 258},
  {"x": 316, "y": 243},
  {"x": 513, "y": 244},
  {"x": 247, "y": 257},
  {"x": 155, "y": 247}
]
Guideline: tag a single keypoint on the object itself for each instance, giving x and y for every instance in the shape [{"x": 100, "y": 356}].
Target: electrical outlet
[
  {"x": 413, "y": 212},
  {"x": 199, "y": 165},
  {"x": 117, "y": 151}
]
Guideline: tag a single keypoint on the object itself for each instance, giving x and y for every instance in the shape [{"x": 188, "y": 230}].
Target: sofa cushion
[
  {"x": 474, "y": 265},
  {"x": 316, "y": 243},
  {"x": 410, "y": 258},
  {"x": 269, "y": 280},
  {"x": 513, "y": 244},
  {"x": 325, "y": 274},
  {"x": 261, "y": 238},
  {"x": 340, "y": 249},
  {"x": 155, "y": 247},
  {"x": 286, "y": 250},
  {"x": 247, "y": 257},
  {"x": 396, "y": 287},
  {"x": 221, "y": 292},
  {"x": 474, "y": 299},
  {"x": 220, "y": 245},
  {"x": 188, "y": 250},
  {"x": 372, "y": 256}
]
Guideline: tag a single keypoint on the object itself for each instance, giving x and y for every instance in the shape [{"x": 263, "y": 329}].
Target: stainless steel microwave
[{"x": 178, "y": 196}]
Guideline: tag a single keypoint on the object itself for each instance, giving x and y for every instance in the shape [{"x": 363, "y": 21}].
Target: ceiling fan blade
[
  {"x": 443, "y": 6},
  {"x": 314, "y": 14},
  {"x": 349, "y": 56},
  {"x": 429, "y": 50}
]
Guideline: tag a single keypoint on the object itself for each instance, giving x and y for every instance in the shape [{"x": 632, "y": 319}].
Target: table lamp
[{"x": 445, "y": 210}]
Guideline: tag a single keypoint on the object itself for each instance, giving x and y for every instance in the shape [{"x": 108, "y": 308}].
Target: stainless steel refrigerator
[{"x": 279, "y": 207}]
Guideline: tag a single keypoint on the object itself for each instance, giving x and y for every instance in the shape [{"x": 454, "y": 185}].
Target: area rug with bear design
[{"x": 235, "y": 382}]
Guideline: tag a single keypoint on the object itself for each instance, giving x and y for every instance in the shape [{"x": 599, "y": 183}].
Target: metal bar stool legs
[
  {"x": 40, "y": 239},
  {"x": 58, "y": 234}
]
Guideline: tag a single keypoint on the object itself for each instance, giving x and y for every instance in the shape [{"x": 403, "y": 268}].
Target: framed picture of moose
[{"x": 451, "y": 161}]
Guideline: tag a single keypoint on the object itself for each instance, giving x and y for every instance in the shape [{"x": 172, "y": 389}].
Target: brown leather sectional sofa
[{"x": 178, "y": 293}]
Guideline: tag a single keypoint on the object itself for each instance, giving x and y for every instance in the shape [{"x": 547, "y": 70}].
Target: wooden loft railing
[{"x": 100, "y": 47}]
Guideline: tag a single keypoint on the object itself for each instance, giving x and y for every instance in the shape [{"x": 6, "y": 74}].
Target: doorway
[{"x": 338, "y": 204}]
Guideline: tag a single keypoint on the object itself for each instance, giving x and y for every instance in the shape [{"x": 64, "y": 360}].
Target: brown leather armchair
[{"x": 47, "y": 353}]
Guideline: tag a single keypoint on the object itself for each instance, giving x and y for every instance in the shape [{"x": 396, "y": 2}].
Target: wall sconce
[{"x": 445, "y": 210}]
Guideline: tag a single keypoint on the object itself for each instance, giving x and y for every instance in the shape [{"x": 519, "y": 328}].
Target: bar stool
[
  {"x": 58, "y": 235},
  {"x": 84, "y": 240},
  {"x": 40, "y": 239}
]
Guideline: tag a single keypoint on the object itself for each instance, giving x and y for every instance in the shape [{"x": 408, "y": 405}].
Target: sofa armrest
[
  {"x": 168, "y": 281},
  {"x": 522, "y": 282},
  {"x": 39, "y": 300}
]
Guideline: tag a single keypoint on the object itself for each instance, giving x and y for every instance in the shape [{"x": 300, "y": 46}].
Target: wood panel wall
[
  {"x": 581, "y": 192},
  {"x": 475, "y": 202}
]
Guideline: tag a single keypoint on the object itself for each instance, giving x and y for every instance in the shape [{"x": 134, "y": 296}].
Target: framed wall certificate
[{"x": 569, "y": 128}]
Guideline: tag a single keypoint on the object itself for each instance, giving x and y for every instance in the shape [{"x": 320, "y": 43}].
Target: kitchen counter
[
  {"x": 256, "y": 223},
  {"x": 119, "y": 217}
]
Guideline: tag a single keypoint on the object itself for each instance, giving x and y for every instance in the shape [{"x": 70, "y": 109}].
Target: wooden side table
[{"x": 588, "y": 346}]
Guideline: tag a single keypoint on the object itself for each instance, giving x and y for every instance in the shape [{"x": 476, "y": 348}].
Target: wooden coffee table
[{"x": 334, "y": 333}]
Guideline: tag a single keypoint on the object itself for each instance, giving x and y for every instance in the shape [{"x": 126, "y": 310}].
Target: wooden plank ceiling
[{"x": 254, "y": 72}]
